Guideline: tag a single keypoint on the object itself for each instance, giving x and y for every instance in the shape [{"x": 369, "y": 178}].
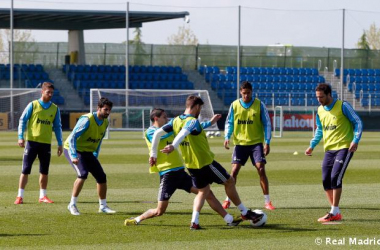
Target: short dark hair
[
  {"x": 156, "y": 113},
  {"x": 46, "y": 85},
  {"x": 104, "y": 101},
  {"x": 246, "y": 85},
  {"x": 193, "y": 100},
  {"x": 326, "y": 88}
]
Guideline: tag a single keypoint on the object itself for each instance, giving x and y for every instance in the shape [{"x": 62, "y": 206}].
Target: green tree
[
  {"x": 24, "y": 46},
  {"x": 363, "y": 42},
  {"x": 184, "y": 36},
  {"x": 138, "y": 45},
  {"x": 373, "y": 37}
]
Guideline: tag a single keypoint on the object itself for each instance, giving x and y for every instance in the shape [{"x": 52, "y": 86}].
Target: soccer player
[
  {"x": 249, "y": 124},
  {"x": 341, "y": 130},
  {"x": 172, "y": 173},
  {"x": 82, "y": 150},
  {"x": 40, "y": 117},
  {"x": 198, "y": 158}
]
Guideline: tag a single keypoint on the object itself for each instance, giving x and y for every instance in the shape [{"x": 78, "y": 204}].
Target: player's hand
[
  {"x": 227, "y": 144},
  {"x": 21, "y": 143},
  {"x": 215, "y": 118},
  {"x": 353, "y": 147},
  {"x": 309, "y": 151},
  {"x": 60, "y": 150},
  {"x": 75, "y": 161},
  {"x": 167, "y": 149},
  {"x": 266, "y": 149},
  {"x": 152, "y": 161}
]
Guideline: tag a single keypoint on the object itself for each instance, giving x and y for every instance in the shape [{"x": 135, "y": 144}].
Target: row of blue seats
[
  {"x": 362, "y": 86},
  {"x": 280, "y": 101},
  {"x": 119, "y": 100},
  {"x": 132, "y": 85},
  {"x": 121, "y": 69},
  {"x": 263, "y": 93},
  {"x": 259, "y": 70},
  {"x": 268, "y": 78},
  {"x": 273, "y": 71},
  {"x": 374, "y": 102},
  {"x": 25, "y": 76},
  {"x": 268, "y": 86},
  {"x": 23, "y": 67},
  {"x": 367, "y": 94},
  {"x": 358, "y": 72},
  {"x": 364, "y": 79},
  {"x": 132, "y": 77}
]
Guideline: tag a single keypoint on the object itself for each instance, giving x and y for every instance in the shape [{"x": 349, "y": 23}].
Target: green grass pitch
[{"x": 295, "y": 188}]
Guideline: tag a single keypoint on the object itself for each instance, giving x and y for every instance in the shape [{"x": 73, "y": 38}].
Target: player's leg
[
  {"x": 151, "y": 213},
  {"x": 44, "y": 155},
  {"x": 239, "y": 158},
  {"x": 30, "y": 154},
  {"x": 82, "y": 174},
  {"x": 101, "y": 183},
  {"x": 339, "y": 168},
  {"x": 220, "y": 176},
  {"x": 327, "y": 165}
]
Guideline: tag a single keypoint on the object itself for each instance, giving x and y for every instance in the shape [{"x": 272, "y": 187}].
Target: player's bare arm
[
  {"x": 266, "y": 149},
  {"x": 21, "y": 143},
  {"x": 309, "y": 151},
  {"x": 215, "y": 118},
  {"x": 353, "y": 147},
  {"x": 59, "y": 150},
  {"x": 227, "y": 144},
  {"x": 167, "y": 149}
]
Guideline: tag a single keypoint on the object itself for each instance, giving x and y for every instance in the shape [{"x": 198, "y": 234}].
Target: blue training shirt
[
  {"x": 81, "y": 126},
  {"x": 264, "y": 117},
  {"x": 25, "y": 116},
  {"x": 350, "y": 113}
]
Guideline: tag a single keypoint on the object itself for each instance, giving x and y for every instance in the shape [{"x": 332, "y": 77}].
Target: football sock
[
  {"x": 73, "y": 200},
  {"x": 228, "y": 218},
  {"x": 266, "y": 197},
  {"x": 195, "y": 217},
  {"x": 242, "y": 209},
  {"x": 42, "y": 193},
  {"x": 334, "y": 210},
  {"x": 102, "y": 202},
  {"x": 138, "y": 219},
  {"x": 20, "y": 193}
]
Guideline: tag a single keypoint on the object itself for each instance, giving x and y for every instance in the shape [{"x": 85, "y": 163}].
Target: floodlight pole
[
  {"x": 238, "y": 55},
  {"x": 127, "y": 63},
  {"x": 342, "y": 60},
  {"x": 11, "y": 64}
]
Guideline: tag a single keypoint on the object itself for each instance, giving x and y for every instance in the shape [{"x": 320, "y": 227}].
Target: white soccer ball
[
  {"x": 210, "y": 133},
  {"x": 217, "y": 134},
  {"x": 261, "y": 222}
]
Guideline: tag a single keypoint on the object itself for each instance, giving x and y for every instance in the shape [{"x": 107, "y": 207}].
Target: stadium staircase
[
  {"x": 66, "y": 90},
  {"x": 200, "y": 83}
]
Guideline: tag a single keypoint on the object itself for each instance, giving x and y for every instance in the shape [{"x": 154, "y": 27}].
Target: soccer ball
[
  {"x": 261, "y": 222},
  {"x": 210, "y": 133},
  {"x": 217, "y": 134}
]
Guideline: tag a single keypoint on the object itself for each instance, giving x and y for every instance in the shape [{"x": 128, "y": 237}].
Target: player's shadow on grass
[
  {"x": 129, "y": 202},
  {"x": 18, "y": 235}
]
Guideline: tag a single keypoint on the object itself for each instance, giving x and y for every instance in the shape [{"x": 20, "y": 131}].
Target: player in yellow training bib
[{"x": 341, "y": 130}]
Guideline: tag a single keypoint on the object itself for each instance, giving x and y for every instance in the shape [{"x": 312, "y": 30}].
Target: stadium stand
[
  {"x": 85, "y": 77},
  {"x": 30, "y": 74},
  {"x": 364, "y": 84},
  {"x": 278, "y": 86}
]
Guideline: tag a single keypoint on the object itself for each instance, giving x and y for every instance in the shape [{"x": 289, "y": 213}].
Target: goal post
[
  {"x": 293, "y": 119},
  {"x": 132, "y": 107},
  {"x": 13, "y": 101}
]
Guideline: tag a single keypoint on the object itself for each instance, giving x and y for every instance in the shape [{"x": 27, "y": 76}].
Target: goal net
[
  {"x": 293, "y": 119},
  {"x": 12, "y": 104},
  {"x": 132, "y": 107}
]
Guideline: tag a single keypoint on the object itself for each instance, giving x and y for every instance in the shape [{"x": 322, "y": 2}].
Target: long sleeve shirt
[
  {"x": 350, "y": 113},
  {"x": 264, "y": 117},
  {"x": 25, "y": 116}
]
